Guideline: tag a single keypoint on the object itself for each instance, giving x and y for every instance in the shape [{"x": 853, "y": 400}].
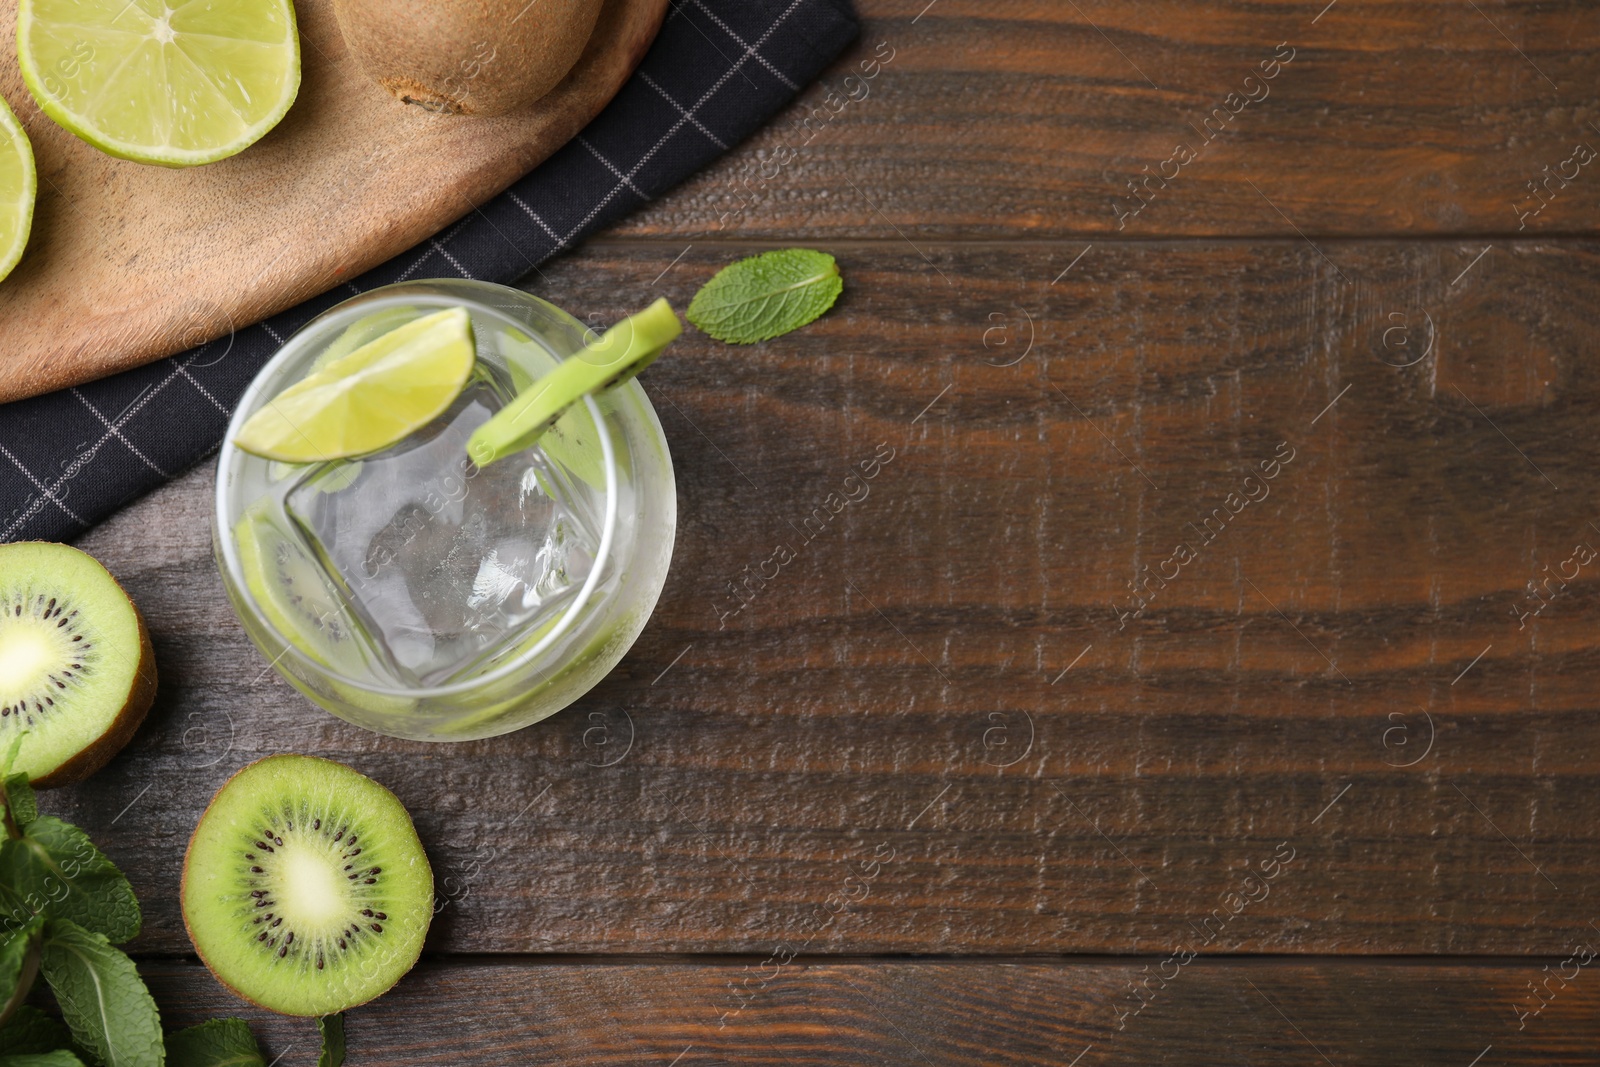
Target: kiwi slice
[
  {"x": 572, "y": 440},
  {"x": 305, "y": 888},
  {"x": 77, "y": 672},
  {"x": 292, "y": 592},
  {"x": 605, "y": 363}
]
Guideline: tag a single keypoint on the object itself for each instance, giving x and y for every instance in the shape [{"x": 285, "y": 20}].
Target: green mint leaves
[
  {"x": 63, "y": 909},
  {"x": 58, "y": 1058},
  {"x": 18, "y": 795},
  {"x": 766, "y": 296},
  {"x": 55, "y": 869},
  {"x": 19, "y": 963},
  {"x": 331, "y": 1027},
  {"x": 218, "y": 1043},
  {"x": 32, "y": 1032},
  {"x": 102, "y": 997}
]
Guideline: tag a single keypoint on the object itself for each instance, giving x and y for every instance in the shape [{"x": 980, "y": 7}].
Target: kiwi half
[
  {"x": 77, "y": 671},
  {"x": 305, "y": 888}
]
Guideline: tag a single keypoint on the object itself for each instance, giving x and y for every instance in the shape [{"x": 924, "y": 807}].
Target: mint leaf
[
  {"x": 11, "y": 754},
  {"x": 31, "y": 1030},
  {"x": 19, "y": 966},
  {"x": 766, "y": 295},
  {"x": 54, "y": 869},
  {"x": 102, "y": 997},
  {"x": 58, "y": 1058},
  {"x": 331, "y": 1027},
  {"x": 20, "y": 802},
  {"x": 218, "y": 1043}
]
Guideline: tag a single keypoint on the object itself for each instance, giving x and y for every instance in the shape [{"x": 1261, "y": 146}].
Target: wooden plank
[
  {"x": 941, "y": 681},
  {"x": 1030, "y": 118},
  {"x": 1350, "y": 1012}
]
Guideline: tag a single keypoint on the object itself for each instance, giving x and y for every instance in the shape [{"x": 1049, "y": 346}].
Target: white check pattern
[{"x": 65, "y": 463}]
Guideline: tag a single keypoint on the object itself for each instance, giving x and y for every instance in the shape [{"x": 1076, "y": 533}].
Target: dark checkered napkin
[{"x": 717, "y": 71}]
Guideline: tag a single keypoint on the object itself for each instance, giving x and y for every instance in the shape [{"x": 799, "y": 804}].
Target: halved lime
[
  {"x": 369, "y": 399},
  {"x": 18, "y": 186},
  {"x": 176, "y": 83},
  {"x": 622, "y": 352}
]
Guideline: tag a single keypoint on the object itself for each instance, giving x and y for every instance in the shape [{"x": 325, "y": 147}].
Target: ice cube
[{"x": 445, "y": 563}]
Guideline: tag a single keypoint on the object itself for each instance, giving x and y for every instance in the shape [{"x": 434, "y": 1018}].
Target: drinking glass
[{"x": 415, "y": 594}]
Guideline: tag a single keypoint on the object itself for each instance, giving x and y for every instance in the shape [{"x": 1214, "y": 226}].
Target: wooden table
[{"x": 995, "y": 771}]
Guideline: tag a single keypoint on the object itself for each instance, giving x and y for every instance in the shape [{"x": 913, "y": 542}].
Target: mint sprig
[
  {"x": 766, "y": 296},
  {"x": 64, "y": 906}
]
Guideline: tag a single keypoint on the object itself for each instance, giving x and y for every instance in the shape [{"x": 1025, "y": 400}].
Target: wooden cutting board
[{"x": 129, "y": 263}]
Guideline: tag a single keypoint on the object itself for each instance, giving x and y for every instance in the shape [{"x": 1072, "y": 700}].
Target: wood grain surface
[
  {"x": 129, "y": 262},
  {"x": 950, "y": 671},
  {"x": 1022, "y": 118},
  {"x": 1223, "y": 586},
  {"x": 1260, "y": 1011},
  {"x": 479, "y": 1013}
]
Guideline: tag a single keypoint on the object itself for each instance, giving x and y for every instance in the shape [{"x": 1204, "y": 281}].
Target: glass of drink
[{"x": 415, "y": 594}]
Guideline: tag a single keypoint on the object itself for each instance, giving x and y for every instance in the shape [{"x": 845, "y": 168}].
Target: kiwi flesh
[
  {"x": 305, "y": 888},
  {"x": 293, "y": 594},
  {"x": 572, "y": 440},
  {"x": 467, "y": 57},
  {"x": 77, "y": 671}
]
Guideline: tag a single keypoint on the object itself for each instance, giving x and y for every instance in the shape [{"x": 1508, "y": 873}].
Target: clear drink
[{"x": 415, "y": 594}]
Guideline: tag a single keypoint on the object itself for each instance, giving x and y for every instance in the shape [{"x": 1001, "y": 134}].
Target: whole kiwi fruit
[{"x": 467, "y": 57}]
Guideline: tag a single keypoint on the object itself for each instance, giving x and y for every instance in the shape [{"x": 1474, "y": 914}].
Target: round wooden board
[{"x": 129, "y": 263}]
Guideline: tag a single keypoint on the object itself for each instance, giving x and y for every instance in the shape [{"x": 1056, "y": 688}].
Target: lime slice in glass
[
  {"x": 367, "y": 328},
  {"x": 176, "y": 83},
  {"x": 369, "y": 399},
  {"x": 17, "y": 188},
  {"x": 622, "y": 352}
]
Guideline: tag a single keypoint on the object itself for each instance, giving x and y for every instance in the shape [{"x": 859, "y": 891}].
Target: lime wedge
[
  {"x": 622, "y": 352},
  {"x": 369, "y": 399},
  {"x": 17, "y": 188},
  {"x": 367, "y": 328},
  {"x": 176, "y": 83}
]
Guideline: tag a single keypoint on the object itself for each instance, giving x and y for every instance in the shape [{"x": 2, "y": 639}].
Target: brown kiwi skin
[
  {"x": 467, "y": 57},
  {"x": 123, "y": 727},
  {"x": 183, "y": 888}
]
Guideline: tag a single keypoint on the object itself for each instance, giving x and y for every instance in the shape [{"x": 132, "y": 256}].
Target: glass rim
[{"x": 228, "y": 455}]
